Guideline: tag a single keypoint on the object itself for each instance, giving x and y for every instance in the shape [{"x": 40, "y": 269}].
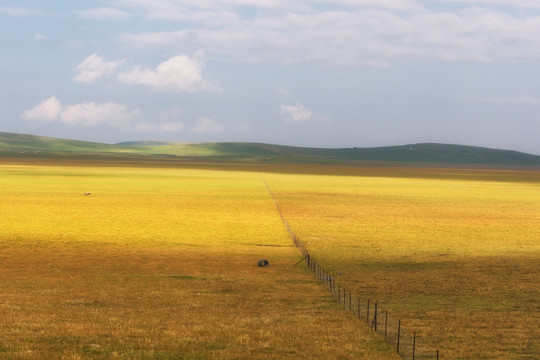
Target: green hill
[{"x": 21, "y": 145}]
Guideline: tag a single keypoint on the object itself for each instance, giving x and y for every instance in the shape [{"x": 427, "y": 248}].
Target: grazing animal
[
  {"x": 87, "y": 193},
  {"x": 263, "y": 263}
]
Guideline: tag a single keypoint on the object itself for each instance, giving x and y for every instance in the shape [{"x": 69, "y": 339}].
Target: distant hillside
[{"x": 20, "y": 145}]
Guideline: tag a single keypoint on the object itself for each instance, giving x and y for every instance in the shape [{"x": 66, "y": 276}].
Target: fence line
[{"x": 407, "y": 343}]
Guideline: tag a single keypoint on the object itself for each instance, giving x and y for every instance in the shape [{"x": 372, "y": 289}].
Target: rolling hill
[{"x": 22, "y": 145}]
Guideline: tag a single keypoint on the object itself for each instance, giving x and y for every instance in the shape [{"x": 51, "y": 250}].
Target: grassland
[
  {"x": 158, "y": 263},
  {"x": 454, "y": 253},
  {"x": 31, "y": 146}
]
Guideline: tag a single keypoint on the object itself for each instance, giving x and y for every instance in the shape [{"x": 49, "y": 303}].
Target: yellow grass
[
  {"x": 454, "y": 254},
  {"x": 158, "y": 263}
]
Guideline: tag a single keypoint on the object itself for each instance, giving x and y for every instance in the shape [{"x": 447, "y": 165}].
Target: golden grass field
[
  {"x": 454, "y": 253},
  {"x": 158, "y": 263}
]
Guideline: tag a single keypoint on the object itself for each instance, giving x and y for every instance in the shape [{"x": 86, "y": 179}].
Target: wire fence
[{"x": 407, "y": 343}]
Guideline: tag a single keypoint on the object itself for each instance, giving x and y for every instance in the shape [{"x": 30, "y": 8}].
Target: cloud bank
[
  {"x": 88, "y": 114},
  {"x": 346, "y": 32},
  {"x": 111, "y": 114}
]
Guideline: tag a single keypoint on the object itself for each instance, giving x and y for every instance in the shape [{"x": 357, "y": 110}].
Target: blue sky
[{"x": 323, "y": 73}]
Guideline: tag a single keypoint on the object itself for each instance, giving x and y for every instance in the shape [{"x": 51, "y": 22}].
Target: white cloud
[
  {"x": 179, "y": 73},
  {"x": 86, "y": 114},
  {"x": 194, "y": 12},
  {"x": 47, "y": 110},
  {"x": 205, "y": 125},
  {"x": 296, "y": 113},
  {"x": 386, "y": 4},
  {"x": 103, "y": 14},
  {"x": 510, "y": 3},
  {"x": 164, "y": 8},
  {"x": 38, "y": 37},
  {"x": 355, "y": 32},
  {"x": 153, "y": 7},
  {"x": 92, "y": 114},
  {"x": 93, "y": 67}
]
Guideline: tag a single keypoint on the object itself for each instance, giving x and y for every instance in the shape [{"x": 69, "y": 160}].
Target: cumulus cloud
[
  {"x": 205, "y": 125},
  {"x": 94, "y": 67},
  {"x": 47, "y": 110},
  {"x": 179, "y": 73},
  {"x": 296, "y": 113},
  {"x": 86, "y": 114},
  {"x": 103, "y": 14}
]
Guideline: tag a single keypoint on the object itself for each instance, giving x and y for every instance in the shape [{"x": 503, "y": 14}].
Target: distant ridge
[{"x": 22, "y": 145}]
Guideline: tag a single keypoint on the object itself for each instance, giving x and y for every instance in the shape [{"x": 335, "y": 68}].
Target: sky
[{"x": 320, "y": 73}]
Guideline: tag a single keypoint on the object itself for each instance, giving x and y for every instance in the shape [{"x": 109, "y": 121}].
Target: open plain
[
  {"x": 453, "y": 253},
  {"x": 160, "y": 261},
  {"x": 157, "y": 263}
]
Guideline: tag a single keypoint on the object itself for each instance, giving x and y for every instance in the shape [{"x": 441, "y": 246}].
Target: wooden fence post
[
  {"x": 374, "y": 323},
  {"x": 414, "y": 345},
  {"x": 367, "y": 313},
  {"x": 350, "y": 301},
  {"x": 398, "y": 334},
  {"x": 385, "y": 324},
  {"x": 359, "y": 307}
]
